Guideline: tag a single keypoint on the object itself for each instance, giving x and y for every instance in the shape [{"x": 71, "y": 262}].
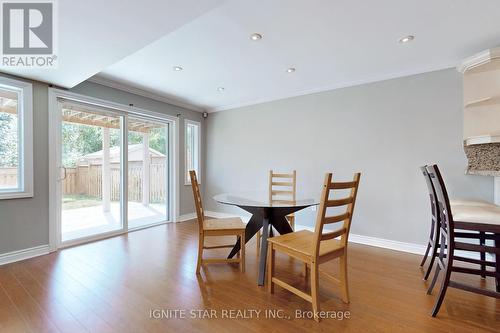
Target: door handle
[{"x": 65, "y": 174}]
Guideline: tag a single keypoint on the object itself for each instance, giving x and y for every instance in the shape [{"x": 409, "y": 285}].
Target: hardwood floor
[{"x": 112, "y": 286}]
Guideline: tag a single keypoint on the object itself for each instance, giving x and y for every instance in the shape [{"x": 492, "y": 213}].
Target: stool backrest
[
  {"x": 432, "y": 193},
  {"x": 443, "y": 207}
]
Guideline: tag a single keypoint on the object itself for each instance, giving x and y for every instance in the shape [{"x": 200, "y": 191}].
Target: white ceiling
[
  {"x": 332, "y": 43},
  {"x": 94, "y": 34}
]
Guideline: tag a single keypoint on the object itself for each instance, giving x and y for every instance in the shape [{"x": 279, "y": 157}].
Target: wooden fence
[
  {"x": 8, "y": 177},
  {"x": 87, "y": 180}
]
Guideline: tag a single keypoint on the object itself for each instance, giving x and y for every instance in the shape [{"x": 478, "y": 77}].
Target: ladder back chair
[
  {"x": 433, "y": 241},
  {"x": 449, "y": 243},
  {"x": 318, "y": 247},
  {"x": 282, "y": 189},
  {"x": 232, "y": 226}
]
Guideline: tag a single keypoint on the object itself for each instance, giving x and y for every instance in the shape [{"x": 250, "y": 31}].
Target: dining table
[{"x": 266, "y": 216}]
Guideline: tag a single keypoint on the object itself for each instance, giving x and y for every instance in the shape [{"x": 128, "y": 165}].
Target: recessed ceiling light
[
  {"x": 221, "y": 89},
  {"x": 290, "y": 70},
  {"x": 255, "y": 36},
  {"x": 406, "y": 39},
  {"x": 178, "y": 68}
]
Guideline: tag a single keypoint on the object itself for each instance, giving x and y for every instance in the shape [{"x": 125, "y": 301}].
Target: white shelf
[
  {"x": 482, "y": 102},
  {"x": 478, "y": 140}
]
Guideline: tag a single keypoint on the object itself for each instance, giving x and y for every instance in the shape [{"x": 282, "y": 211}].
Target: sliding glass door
[
  {"x": 91, "y": 165},
  {"x": 148, "y": 161},
  {"x": 114, "y": 171}
]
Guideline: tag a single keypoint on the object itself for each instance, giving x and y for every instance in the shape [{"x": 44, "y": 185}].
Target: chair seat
[
  {"x": 229, "y": 223},
  {"x": 477, "y": 214},
  {"x": 302, "y": 242},
  {"x": 470, "y": 202}
]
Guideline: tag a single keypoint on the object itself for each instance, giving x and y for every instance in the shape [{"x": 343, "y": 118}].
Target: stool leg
[
  {"x": 482, "y": 241},
  {"x": 497, "y": 262},
  {"x": 434, "y": 246},
  {"x": 428, "y": 244}
]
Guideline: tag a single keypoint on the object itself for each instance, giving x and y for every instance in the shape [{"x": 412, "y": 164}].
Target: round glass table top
[{"x": 254, "y": 199}]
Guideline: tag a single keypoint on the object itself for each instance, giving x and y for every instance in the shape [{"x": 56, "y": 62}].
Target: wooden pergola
[
  {"x": 8, "y": 102},
  {"x": 90, "y": 117}
]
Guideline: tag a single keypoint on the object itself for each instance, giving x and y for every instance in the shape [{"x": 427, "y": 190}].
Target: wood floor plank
[
  {"x": 10, "y": 319},
  {"x": 32, "y": 313},
  {"x": 55, "y": 310},
  {"x": 112, "y": 285}
]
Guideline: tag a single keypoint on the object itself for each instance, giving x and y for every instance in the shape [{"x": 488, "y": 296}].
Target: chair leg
[
  {"x": 497, "y": 263},
  {"x": 426, "y": 254},
  {"x": 242, "y": 250},
  {"x": 482, "y": 241},
  {"x": 435, "y": 243},
  {"x": 428, "y": 244},
  {"x": 314, "y": 290},
  {"x": 438, "y": 268},
  {"x": 200, "y": 253},
  {"x": 431, "y": 263},
  {"x": 343, "y": 278},
  {"x": 444, "y": 287},
  {"x": 270, "y": 267},
  {"x": 434, "y": 279},
  {"x": 238, "y": 238},
  {"x": 258, "y": 235}
]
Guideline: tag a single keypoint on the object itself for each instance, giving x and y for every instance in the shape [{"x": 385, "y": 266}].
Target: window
[
  {"x": 192, "y": 131},
  {"x": 16, "y": 139}
]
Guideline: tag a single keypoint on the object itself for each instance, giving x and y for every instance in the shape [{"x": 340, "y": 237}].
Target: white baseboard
[
  {"x": 388, "y": 244},
  {"x": 354, "y": 238},
  {"x": 186, "y": 217},
  {"x": 380, "y": 242},
  {"x": 7, "y": 258}
]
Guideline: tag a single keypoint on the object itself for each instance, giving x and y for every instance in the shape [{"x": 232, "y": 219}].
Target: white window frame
[
  {"x": 187, "y": 179},
  {"x": 25, "y": 138}
]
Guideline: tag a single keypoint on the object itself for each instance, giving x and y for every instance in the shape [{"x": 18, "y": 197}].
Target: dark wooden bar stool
[
  {"x": 433, "y": 241},
  {"x": 448, "y": 243}
]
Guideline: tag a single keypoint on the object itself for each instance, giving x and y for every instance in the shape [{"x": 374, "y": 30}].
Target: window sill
[{"x": 15, "y": 195}]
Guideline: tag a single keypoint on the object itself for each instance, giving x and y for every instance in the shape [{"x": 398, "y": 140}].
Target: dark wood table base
[{"x": 263, "y": 218}]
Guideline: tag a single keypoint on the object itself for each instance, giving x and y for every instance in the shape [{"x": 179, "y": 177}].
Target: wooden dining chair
[
  {"x": 282, "y": 189},
  {"x": 318, "y": 247},
  {"x": 449, "y": 242},
  {"x": 232, "y": 226}
]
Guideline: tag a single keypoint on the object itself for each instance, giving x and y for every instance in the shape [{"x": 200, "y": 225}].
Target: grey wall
[
  {"x": 386, "y": 130},
  {"x": 24, "y": 223},
  {"x": 122, "y": 97}
]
